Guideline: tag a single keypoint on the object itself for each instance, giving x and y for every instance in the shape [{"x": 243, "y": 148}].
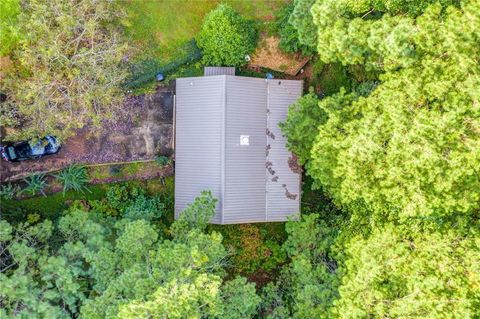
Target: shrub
[
  {"x": 117, "y": 196},
  {"x": 163, "y": 160},
  {"x": 226, "y": 38},
  {"x": 133, "y": 203},
  {"x": 35, "y": 184},
  {"x": 8, "y": 191},
  {"x": 142, "y": 207},
  {"x": 74, "y": 177},
  {"x": 331, "y": 78}
]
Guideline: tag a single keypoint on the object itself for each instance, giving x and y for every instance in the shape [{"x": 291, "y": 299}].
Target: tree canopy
[
  {"x": 67, "y": 68},
  {"x": 302, "y": 21},
  {"x": 410, "y": 146},
  {"x": 226, "y": 37},
  {"x": 93, "y": 265},
  {"x": 399, "y": 157}
]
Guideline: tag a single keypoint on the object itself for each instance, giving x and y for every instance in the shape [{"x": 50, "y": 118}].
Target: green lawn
[
  {"x": 162, "y": 32},
  {"x": 161, "y": 28}
]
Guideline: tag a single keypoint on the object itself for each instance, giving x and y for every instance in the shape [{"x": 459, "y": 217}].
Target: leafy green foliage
[
  {"x": 226, "y": 38},
  {"x": 354, "y": 32},
  {"x": 33, "y": 282},
  {"x": 331, "y": 78},
  {"x": 74, "y": 177},
  {"x": 310, "y": 279},
  {"x": 302, "y": 21},
  {"x": 142, "y": 207},
  {"x": 95, "y": 266},
  {"x": 67, "y": 69},
  {"x": 394, "y": 158},
  {"x": 8, "y": 191},
  {"x": 133, "y": 203},
  {"x": 399, "y": 154},
  {"x": 305, "y": 116},
  {"x": 378, "y": 7},
  {"x": 254, "y": 248},
  {"x": 36, "y": 183},
  {"x": 241, "y": 300},
  {"x": 395, "y": 274},
  {"x": 163, "y": 160},
  {"x": 289, "y": 41}
]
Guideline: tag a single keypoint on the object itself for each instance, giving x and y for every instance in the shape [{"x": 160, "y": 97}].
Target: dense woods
[
  {"x": 401, "y": 159},
  {"x": 389, "y": 226}
]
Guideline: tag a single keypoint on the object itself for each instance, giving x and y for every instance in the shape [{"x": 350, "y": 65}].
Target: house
[{"x": 227, "y": 140}]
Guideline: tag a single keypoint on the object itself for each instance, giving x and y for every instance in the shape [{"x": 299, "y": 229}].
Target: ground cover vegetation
[{"x": 80, "y": 178}]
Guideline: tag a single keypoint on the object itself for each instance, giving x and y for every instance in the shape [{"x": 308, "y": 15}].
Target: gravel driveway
[{"x": 143, "y": 130}]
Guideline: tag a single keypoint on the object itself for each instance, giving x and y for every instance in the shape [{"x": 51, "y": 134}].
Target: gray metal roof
[
  {"x": 228, "y": 141},
  {"x": 218, "y": 70}
]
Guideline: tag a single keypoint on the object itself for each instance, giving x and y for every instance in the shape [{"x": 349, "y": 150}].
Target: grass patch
[{"x": 121, "y": 171}]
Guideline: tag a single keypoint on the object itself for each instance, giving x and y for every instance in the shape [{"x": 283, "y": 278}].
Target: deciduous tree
[{"x": 67, "y": 67}]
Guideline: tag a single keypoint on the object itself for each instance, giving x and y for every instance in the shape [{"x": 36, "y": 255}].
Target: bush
[
  {"x": 8, "y": 191},
  {"x": 143, "y": 207},
  {"x": 117, "y": 196},
  {"x": 35, "y": 184},
  {"x": 226, "y": 38},
  {"x": 331, "y": 78},
  {"x": 133, "y": 203},
  {"x": 163, "y": 160},
  {"x": 74, "y": 177}
]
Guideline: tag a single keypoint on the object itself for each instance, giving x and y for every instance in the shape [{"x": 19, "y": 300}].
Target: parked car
[{"x": 20, "y": 151}]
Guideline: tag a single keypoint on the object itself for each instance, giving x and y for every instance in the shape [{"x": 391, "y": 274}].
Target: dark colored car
[{"x": 20, "y": 151}]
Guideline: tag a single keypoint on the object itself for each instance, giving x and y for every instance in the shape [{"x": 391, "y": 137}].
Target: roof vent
[{"x": 244, "y": 140}]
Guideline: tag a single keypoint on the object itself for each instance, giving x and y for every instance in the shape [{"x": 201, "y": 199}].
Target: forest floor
[{"x": 143, "y": 130}]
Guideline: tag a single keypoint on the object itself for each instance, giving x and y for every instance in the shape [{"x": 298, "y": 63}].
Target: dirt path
[{"x": 143, "y": 130}]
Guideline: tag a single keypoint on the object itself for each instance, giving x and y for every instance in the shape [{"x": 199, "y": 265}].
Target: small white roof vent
[{"x": 244, "y": 140}]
